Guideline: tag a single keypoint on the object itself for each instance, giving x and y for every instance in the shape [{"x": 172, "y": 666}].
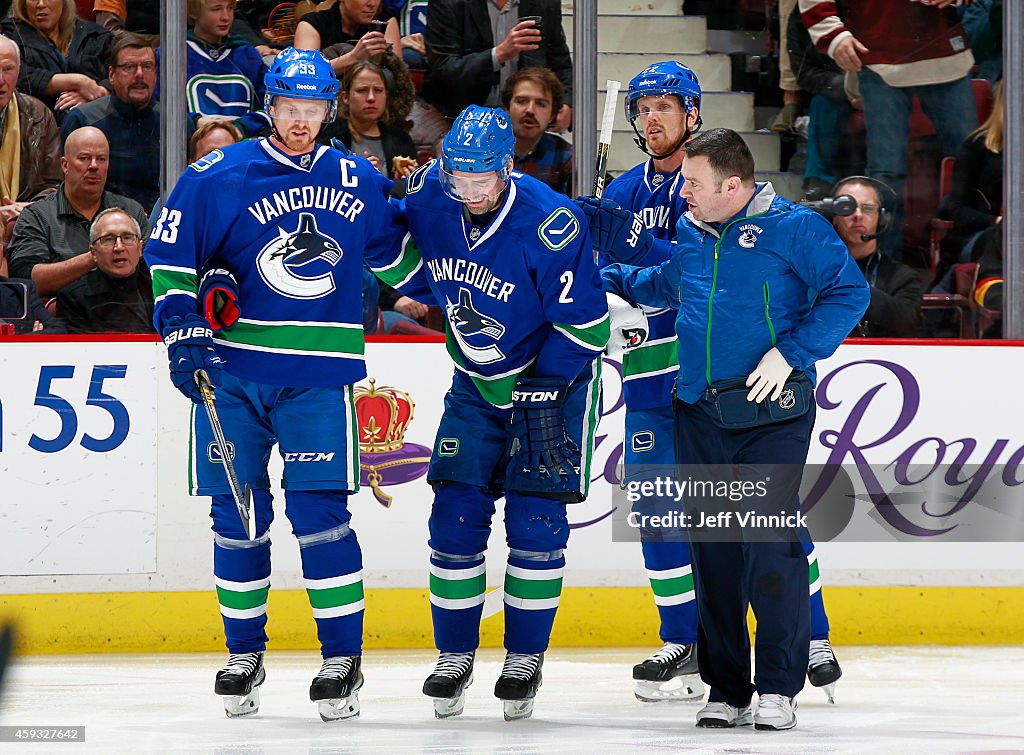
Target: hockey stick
[
  {"x": 604, "y": 144},
  {"x": 243, "y": 499}
]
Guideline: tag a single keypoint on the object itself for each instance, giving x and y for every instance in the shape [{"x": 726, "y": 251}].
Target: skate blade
[
  {"x": 449, "y": 707},
  {"x": 339, "y": 709},
  {"x": 236, "y": 706},
  {"x": 830, "y": 692},
  {"x": 516, "y": 709},
  {"x": 688, "y": 688}
]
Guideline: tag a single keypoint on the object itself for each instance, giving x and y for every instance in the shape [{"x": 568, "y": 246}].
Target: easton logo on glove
[{"x": 547, "y": 398}]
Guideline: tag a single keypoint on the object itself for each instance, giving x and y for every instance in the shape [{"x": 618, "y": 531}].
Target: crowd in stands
[{"x": 80, "y": 126}]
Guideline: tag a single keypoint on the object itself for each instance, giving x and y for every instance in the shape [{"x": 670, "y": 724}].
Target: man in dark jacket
[
  {"x": 116, "y": 297},
  {"x": 130, "y": 118},
  {"x": 896, "y": 289},
  {"x": 473, "y": 47}
]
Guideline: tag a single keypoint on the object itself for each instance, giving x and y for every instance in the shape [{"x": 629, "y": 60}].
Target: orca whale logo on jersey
[
  {"x": 748, "y": 239},
  {"x": 469, "y": 323},
  {"x": 300, "y": 264}
]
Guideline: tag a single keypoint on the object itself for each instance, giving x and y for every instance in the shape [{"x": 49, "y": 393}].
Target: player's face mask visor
[
  {"x": 662, "y": 108},
  {"x": 299, "y": 110},
  {"x": 471, "y": 188}
]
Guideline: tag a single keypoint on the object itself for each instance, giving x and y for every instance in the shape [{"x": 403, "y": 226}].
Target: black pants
[{"x": 771, "y": 577}]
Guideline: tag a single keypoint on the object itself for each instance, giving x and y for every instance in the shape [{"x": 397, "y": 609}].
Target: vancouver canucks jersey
[
  {"x": 293, "y": 231},
  {"x": 522, "y": 295},
  {"x": 227, "y": 81},
  {"x": 649, "y": 371}
]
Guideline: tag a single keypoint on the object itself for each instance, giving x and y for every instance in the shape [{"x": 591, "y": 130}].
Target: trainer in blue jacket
[{"x": 764, "y": 289}]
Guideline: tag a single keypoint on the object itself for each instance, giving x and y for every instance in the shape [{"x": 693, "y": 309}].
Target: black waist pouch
[{"x": 726, "y": 403}]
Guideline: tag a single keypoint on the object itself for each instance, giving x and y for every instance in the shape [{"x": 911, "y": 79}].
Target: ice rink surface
[{"x": 904, "y": 701}]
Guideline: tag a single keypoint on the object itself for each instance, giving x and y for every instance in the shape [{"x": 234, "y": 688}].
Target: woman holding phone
[{"x": 355, "y": 22}]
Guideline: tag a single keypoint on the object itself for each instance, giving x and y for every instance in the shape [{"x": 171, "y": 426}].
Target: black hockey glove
[
  {"x": 615, "y": 232},
  {"x": 189, "y": 342},
  {"x": 218, "y": 296},
  {"x": 539, "y": 426}
]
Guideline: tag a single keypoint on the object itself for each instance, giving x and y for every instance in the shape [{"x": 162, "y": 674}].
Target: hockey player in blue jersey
[
  {"x": 267, "y": 238},
  {"x": 511, "y": 263},
  {"x": 663, "y": 106}
]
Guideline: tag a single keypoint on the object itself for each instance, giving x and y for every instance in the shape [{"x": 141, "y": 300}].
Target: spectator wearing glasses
[
  {"x": 896, "y": 289},
  {"x": 62, "y": 56},
  {"x": 117, "y": 296},
  {"x": 130, "y": 118},
  {"x": 51, "y": 238}
]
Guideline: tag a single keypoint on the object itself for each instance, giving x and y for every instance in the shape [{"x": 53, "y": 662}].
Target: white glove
[
  {"x": 628, "y": 325},
  {"x": 769, "y": 376}
]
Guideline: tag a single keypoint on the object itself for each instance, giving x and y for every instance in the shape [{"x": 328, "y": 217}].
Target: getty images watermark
[
  {"x": 668, "y": 490},
  {"x": 729, "y": 503},
  {"x": 850, "y": 503}
]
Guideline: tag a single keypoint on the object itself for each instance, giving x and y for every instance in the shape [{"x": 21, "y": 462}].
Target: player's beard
[{"x": 295, "y": 142}]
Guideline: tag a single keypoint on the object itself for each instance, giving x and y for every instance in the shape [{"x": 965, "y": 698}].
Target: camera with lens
[{"x": 833, "y": 207}]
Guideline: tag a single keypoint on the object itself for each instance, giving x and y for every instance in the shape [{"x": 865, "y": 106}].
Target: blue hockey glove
[
  {"x": 615, "y": 232},
  {"x": 218, "y": 296},
  {"x": 189, "y": 342},
  {"x": 538, "y": 424}
]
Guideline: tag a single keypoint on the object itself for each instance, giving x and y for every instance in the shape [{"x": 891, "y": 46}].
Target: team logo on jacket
[
  {"x": 474, "y": 331},
  {"x": 749, "y": 234},
  {"x": 300, "y": 264}
]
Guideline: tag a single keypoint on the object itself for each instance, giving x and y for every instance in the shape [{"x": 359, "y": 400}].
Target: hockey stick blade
[{"x": 243, "y": 498}]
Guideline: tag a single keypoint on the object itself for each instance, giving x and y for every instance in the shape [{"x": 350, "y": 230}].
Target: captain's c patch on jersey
[{"x": 560, "y": 228}]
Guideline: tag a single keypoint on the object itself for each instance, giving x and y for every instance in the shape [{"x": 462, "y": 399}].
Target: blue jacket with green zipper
[{"x": 776, "y": 274}]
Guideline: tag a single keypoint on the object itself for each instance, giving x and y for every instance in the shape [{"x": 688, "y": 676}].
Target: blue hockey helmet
[
  {"x": 668, "y": 77},
  {"x": 302, "y": 75},
  {"x": 480, "y": 141}
]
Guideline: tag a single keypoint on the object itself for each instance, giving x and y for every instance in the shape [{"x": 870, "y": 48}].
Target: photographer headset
[{"x": 844, "y": 204}]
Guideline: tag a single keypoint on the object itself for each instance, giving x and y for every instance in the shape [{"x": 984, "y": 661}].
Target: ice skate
[
  {"x": 823, "y": 668},
  {"x": 336, "y": 686},
  {"x": 775, "y": 713},
  {"x": 669, "y": 674},
  {"x": 448, "y": 682},
  {"x": 518, "y": 684},
  {"x": 238, "y": 683}
]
